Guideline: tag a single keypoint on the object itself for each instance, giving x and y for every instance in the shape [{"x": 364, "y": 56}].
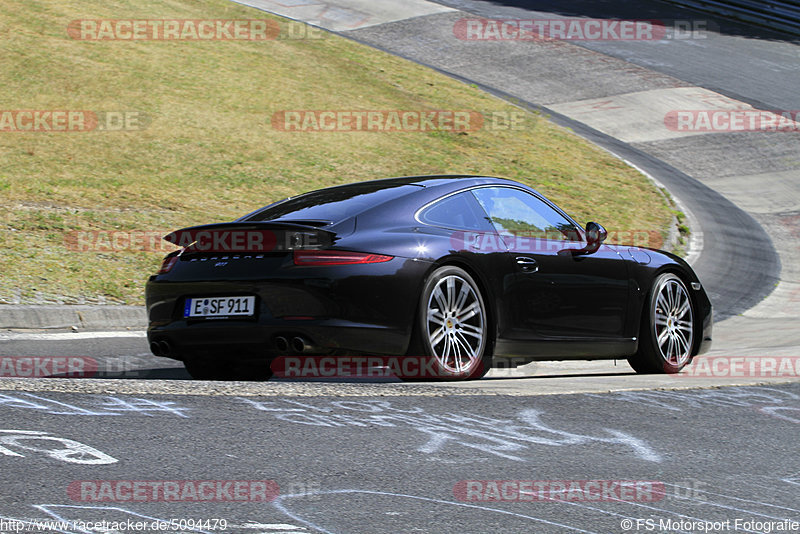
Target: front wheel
[
  {"x": 667, "y": 331},
  {"x": 452, "y": 331}
]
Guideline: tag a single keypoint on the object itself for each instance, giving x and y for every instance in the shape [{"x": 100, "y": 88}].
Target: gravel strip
[{"x": 243, "y": 389}]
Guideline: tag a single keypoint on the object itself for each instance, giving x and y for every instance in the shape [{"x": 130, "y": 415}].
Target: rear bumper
[
  {"x": 247, "y": 340},
  {"x": 348, "y": 309}
]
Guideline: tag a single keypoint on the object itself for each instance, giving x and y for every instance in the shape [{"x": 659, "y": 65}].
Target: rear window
[{"x": 332, "y": 205}]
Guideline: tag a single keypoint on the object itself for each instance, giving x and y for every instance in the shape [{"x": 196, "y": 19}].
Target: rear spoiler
[{"x": 250, "y": 237}]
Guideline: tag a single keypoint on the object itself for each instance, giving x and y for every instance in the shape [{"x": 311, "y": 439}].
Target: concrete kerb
[{"x": 77, "y": 317}]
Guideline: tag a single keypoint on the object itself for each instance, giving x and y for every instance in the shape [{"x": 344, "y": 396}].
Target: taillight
[
  {"x": 336, "y": 257},
  {"x": 167, "y": 265}
]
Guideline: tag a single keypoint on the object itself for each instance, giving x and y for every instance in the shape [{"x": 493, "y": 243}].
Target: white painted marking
[
  {"x": 344, "y": 15},
  {"x": 69, "y": 336},
  {"x": 639, "y": 117}
]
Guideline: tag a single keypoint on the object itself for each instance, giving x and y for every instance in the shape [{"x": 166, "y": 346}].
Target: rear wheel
[
  {"x": 452, "y": 332},
  {"x": 667, "y": 330}
]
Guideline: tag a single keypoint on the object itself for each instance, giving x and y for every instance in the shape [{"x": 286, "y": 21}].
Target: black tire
[
  {"x": 666, "y": 334},
  {"x": 451, "y": 332}
]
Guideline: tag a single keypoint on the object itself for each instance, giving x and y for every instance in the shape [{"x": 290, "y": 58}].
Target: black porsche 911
[{"x": 466, "y": 271}]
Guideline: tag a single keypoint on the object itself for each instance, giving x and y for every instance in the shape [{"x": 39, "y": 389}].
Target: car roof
[
  {"x": 444, "y": 181},
  {"x": 435, "y": 185},
  {"x": 429, "y": 180}
]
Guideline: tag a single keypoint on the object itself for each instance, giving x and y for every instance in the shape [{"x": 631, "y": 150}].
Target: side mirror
[{"x": 595, "y": 234}]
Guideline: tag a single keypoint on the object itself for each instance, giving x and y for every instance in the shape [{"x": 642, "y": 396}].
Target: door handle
[{"x": 527, "y": 265}]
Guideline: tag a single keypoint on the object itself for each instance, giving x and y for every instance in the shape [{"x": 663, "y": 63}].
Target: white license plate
[{"x": 219, "y": 307}]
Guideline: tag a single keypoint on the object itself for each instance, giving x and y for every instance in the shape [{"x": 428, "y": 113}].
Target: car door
[
  {"x": 470, "y": 234},
  {"x": 554, "y": 286}
]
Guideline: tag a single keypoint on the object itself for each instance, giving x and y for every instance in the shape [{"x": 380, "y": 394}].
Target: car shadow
[{"x": 556, "y": 375}]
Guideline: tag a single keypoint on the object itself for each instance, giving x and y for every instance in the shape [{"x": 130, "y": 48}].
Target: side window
[
  {"x": 515, "y": 212},
  {"x": 456, "y": 211}
]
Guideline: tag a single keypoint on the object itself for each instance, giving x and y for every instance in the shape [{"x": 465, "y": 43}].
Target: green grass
[{"x": 209, "y": 152}]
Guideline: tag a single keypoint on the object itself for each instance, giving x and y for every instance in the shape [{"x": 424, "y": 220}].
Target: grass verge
[{"x": 208, "y": 151}]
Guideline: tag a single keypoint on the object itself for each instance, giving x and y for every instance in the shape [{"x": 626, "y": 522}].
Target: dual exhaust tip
[
  {"x": 297, "y": 345},
  {"x": 161, "y": 348}
]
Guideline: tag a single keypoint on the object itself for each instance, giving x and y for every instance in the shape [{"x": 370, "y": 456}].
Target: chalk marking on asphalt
[
  {"x": 277, "y": 503},
  {"x": 280, "y": 506},
  {"x": 693, "y": 499},
  {"x": 794, "y": 479},
  {"x": 201, "y": 388},
  {"x": 75, "y": 451},
  {"x": 696, "y": 500},
  {"x": 113, "y": 406},
  {"x": 735, "y": 498},
  {"x": 500, "y": 437}
]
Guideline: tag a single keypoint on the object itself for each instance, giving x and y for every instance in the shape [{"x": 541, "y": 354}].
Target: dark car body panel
[{"x": 579, "y": 304}]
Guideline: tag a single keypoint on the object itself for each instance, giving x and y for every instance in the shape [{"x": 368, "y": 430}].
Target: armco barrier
[{"x": 777, "y": 14}]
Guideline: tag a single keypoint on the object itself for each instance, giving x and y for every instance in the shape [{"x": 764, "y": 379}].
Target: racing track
[{"x": 386, "y": 456}]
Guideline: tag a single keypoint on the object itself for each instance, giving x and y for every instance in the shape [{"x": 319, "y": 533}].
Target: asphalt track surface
[
  {"x": 382, "y": 456},
  {"x": 401, "y": 463}
]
